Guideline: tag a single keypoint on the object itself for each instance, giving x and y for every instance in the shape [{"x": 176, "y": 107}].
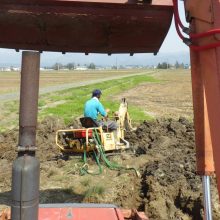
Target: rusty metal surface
[
  {"x": 5, "y": 214},
  {"x": 206, "y": 79},
  {"x": 30, "y": 74},
  {"x": 133, "y": 214},
  {"x": 162, "y": 2},
  {"x": 204, "y": 152},
  {"x": 204, "y": 12},
  {"x": 69, "y": 26},
  {"x": 216, "y": 14},
  {"x": 151, "y": 2}
]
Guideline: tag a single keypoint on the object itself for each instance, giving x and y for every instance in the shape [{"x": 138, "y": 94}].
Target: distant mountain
[{"x": 13, "y": 58}]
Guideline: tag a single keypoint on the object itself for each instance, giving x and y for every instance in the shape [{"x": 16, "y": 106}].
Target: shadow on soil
[{"x": 48, "y": 196}]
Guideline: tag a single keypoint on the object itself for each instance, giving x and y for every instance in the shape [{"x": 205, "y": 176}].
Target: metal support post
[
  {"x": 207, "y": 197},
  {"x": 25, "y": 171}
]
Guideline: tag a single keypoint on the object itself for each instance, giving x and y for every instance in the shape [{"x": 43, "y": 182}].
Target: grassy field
[{"x": 68, "y": 104}]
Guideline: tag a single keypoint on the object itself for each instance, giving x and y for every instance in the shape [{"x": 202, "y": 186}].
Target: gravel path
[{"x": 15, "y": 95}]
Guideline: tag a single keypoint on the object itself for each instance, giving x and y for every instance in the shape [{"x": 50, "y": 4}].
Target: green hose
[
  {"x": 113, "y": 166},
  {"x": 110, "y": 165},
  {"x": 85, "y": 168}
]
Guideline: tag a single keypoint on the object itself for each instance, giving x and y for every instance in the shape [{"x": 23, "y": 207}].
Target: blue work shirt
[{"x": 93, "y": 107}]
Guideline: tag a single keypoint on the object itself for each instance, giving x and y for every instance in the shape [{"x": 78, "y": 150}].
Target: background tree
[
  {"x": 57, "y": 66},
  {"x": 70, "y": 66},
  {"x": 91, "y": 66},
  {"x": 177, "y": 65},
  {"x": 163, "y": 65}
]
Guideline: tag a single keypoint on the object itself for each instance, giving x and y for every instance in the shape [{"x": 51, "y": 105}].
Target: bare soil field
[
  {"x": 10, "y": 81},
  {"x": 168, "y": 187},
  {"x": 172, "y": 97}
]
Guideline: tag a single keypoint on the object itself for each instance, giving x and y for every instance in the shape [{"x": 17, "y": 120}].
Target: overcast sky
[{"x": 172, "y": 45}]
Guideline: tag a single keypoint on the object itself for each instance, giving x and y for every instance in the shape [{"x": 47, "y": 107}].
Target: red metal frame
[
  {"x": 60, "y": 212},
  {"x": 152, "y": 2},
  {"x": 72, "y": 26},
  {"x": 80, "y": 213}
]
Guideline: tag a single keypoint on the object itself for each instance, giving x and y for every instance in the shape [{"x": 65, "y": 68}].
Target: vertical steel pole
[
  {"x": 25, "y": 171},
  {"x": 207, "y": 197}
]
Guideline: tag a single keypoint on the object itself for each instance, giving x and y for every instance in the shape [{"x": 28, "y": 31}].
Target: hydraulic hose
[
  {"x": 179, "y": 24},
  {"x": 113, "y": 166},
  {"x": 205, "y": 47},
  {"x": 176, "y": 14},
  {"x": 192, "y": 36},
  {"x": 205, "y": 34},
  {"x": 85, "y": 168},
  {"x": 110, "y": 165}
]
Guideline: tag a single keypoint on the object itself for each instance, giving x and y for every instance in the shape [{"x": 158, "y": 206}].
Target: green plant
[{"x": 41, "y": 103}]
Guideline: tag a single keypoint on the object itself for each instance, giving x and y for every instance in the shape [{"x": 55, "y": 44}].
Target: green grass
[
  {"x": 41, "y": 103},
  {"x": 75, "y": 98}
]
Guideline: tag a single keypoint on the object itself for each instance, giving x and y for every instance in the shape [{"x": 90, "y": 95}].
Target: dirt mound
[
  {"x": 8, "y": 143},
  {"x": 45, "y": 139},
  {"x": 168, "y": 188},
  {"x": 171, "y": 188}
]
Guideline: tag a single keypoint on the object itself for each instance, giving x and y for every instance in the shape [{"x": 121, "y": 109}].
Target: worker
[{"x": 94, "y": 107}]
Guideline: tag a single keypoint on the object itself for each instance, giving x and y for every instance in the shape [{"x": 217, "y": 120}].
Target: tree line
[
  {"x": 71, "y": 66},
  {"x": 177, "y": 65}
]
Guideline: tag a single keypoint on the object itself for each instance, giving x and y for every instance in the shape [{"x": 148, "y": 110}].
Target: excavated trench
[{"x": 165, "y": 155}]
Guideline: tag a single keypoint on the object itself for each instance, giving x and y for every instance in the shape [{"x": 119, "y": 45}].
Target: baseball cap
[{"x": 96, "y": 92}]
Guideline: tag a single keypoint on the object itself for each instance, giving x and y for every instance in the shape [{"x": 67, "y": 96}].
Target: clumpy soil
[
  {"x": 168, "y": 187},
  {"x": 171, "y": 189}
]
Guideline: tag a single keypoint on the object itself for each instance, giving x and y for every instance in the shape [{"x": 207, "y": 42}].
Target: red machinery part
[
  {"x": 82, "y": 133},
  {"x": 55, "y": 25},
  {"x": 82, "y": 212},
  {"x": 193, "y": 36},
  {"x": 206, "y": 92},
  {"x": 63, "y": 212}
]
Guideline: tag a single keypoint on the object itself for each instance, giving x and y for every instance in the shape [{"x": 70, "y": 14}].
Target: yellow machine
[{"x": 87, "y": 138}]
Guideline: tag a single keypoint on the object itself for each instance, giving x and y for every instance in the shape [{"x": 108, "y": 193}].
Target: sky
[{"x": 172, "y": 49}]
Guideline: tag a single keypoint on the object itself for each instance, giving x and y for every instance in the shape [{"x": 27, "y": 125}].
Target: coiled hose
[{"x": 111, "y": 165}]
